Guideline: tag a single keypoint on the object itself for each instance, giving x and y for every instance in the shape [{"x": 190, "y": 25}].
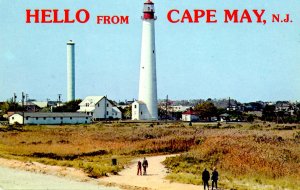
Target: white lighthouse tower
[
  {"x": 146, "y": 106},
  {"x": 70, "y": 70}
]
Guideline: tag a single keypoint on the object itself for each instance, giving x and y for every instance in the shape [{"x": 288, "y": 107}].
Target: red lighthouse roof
[{"x": 148, "y": 2}]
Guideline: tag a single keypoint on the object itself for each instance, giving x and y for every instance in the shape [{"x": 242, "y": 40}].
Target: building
[
  {"x": 190, "y": 115},
  {"x": 49, "y": 118},
  {"x": 179, "y": 108},
  {"x": 99, "y": 108},
  {"x": 138, "y": 111},
  {"x": 70, "y": 71},
  {"x": 224, "y": 117},
  {"x": 146, "y": 106}
]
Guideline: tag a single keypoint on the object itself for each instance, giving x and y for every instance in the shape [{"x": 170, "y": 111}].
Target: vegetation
[
  {"x": 71, "y": 106},
  {"x": 247, "y": 155},
  {"x": 206, "y": 110},
  {"x": 9, "y": 106}
]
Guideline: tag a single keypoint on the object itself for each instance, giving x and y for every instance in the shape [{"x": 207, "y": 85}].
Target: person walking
[
  {"x": 139, "y": 168},
  {"x": 145, "y": 166},
  {"x": 205, "y": 178},
  {"x": 214, "y": 178}
]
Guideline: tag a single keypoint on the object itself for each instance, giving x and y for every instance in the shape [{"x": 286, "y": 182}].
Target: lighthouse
[
  {"x": 146, "y": 106},
  {"x": 70, "y": 70}
]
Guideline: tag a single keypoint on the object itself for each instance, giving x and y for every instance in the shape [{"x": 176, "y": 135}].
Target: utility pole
[
  {"x": 26, "y": 99},
  {"x": 14, "y": 101},
  {"x": 23, "y": 109},
  {"x": 105, "y": 107},
  {"x": 167, "y": 99},
  {"x": 59, "y": 97}
]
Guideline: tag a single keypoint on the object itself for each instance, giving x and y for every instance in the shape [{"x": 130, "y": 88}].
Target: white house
[
  {"x": 139, "y": 111},
  {"x": 179, "y": 108},
  {"x": 190, "y": 115},
  {"x": 49, "y": 118},
  {"x": 99, "y": 108}
]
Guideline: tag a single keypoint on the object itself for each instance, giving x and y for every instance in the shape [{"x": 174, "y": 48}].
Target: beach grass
[{"x": 247, "y": 155}]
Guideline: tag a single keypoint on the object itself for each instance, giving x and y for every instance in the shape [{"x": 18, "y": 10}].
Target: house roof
[
  {"x": 189, "y": 112},
  {"x": 92, "y": 100},
  {"x": 116, "y": 109},
  {"x": 41, "y": 104},
  {"x": 86, "y": 109},
  {"x": 52, "y": 114}
]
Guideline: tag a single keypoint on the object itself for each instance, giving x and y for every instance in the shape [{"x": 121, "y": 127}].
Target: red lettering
[
  {"x": 231, "y": 16},
  {"x": 275, "y": 18},
  {"x": 46, "y": 13},
  {"x": 169, "y": 16},
  {"x": 187, "y": 15},
  {"x": 210, "y": 15},
  {"x": 106, "y": 19},
  {"x": 125, "y": 19},
  {"x": 259, "y": 15},
  {"x": 55, "y": 17},
  {"x": 198, "y": 14},
  {"x": 29, "y": 15},
  {"x": 246, "y": 16},
  {"x": 86, "y": 14},
  {"x": 115, "y": 20}
]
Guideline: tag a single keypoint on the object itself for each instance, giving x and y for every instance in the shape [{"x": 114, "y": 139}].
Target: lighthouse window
[
  {"x": 153, "y": 51},
  {"x": 141, "y": 113}
]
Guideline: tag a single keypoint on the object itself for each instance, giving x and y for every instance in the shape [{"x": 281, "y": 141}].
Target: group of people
[
  {"x": 139, "y": 167},
  {"x": 214, "y": 178},
  {"x": 205, "y": 174}
]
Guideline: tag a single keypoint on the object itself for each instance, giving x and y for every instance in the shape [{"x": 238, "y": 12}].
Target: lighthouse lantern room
[{"x": 148, "y": 10}]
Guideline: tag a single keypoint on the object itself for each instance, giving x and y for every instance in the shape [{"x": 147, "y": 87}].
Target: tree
[
  {"x": 206, "y": 110},
  {"x": 71, "y": 106},
  {"x": 126, "y": 112},
  {"x": 268, "y": 113},
  {"x": 9, "y": 105}
]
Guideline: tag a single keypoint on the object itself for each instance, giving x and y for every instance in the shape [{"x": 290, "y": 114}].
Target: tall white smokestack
[{"x": 71, "y": 70}]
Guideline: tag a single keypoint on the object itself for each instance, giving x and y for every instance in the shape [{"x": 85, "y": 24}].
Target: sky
[{"x": 245, "y": 61}]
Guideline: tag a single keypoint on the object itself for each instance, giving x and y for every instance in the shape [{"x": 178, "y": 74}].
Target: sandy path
[
  {"x": 13, "y": 179},
  {"x": 18, "y": 175},
  {"x": 154, "y": 179}
]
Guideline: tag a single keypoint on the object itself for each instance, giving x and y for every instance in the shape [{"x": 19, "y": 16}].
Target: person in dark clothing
[
  {"x": 214, "y": 178},
  {"x": 205, "y": 178},
  {"x": 139, "y": 168},
  {"x": 145, "y": 166}
]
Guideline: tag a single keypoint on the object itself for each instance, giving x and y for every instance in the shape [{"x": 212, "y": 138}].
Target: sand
[
  {"x": 153, "y": 180},
  {"x": 127, "y": 179},
  {"x": 13, "y": 179}
]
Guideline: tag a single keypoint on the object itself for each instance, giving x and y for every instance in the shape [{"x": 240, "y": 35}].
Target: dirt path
[
  {"x": 127, "y": 179},
  {"x": 154, "y": 179},
  {"x": 16, "y": 179}
]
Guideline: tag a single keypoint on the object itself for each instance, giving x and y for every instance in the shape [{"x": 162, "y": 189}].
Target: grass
[{"x": 247, "y": 155}]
